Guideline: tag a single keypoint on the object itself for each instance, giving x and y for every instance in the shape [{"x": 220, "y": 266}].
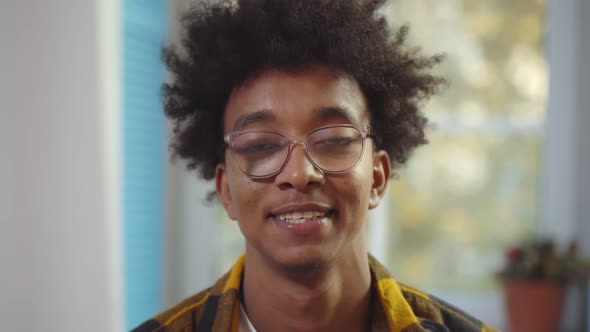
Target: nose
[{"x": 299, "y": 172}]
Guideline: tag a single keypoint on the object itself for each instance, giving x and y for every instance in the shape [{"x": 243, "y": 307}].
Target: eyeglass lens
[{"x": 333, "y": 149}]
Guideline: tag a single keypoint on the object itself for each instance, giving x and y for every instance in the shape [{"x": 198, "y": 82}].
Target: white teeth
[{"x": 298, "y": 217}]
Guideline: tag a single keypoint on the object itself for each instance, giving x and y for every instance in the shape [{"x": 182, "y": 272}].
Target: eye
[
  {"x": 257, "y": 144},
  {"x": 257, "y": 148},
  {"x": 335, "y": 138},
  {"x": 336, "y": 141}
]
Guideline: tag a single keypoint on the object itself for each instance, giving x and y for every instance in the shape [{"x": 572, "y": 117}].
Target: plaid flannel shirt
[{"x": 399, "y": 308}]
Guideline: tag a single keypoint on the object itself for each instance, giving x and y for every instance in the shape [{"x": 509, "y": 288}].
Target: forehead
[{"x": 308, "y": 98}]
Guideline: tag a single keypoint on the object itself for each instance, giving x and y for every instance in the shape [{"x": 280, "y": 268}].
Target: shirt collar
[{"x": 390, "y": 309}]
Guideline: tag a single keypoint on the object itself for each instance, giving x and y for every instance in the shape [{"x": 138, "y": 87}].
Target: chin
[{"x": 304, "y": 261}]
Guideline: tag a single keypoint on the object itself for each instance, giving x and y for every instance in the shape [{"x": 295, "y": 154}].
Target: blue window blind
[{"x": 144, "y": 158}]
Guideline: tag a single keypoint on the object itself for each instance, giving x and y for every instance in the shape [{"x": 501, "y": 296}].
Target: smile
[{"x": 299, "y": 217}]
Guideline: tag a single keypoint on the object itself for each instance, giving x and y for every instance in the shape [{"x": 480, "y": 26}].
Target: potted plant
[{"x": 534, "y": 281}]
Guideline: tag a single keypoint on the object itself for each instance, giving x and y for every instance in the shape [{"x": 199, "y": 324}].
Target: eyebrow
[
  {"x": 264, "y": 115},
  {"x": 321, "y": 114}
]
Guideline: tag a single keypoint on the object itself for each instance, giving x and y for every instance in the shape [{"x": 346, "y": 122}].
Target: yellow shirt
[{"x": 397, "y": 308}]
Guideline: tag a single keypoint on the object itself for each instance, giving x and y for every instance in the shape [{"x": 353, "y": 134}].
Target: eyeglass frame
[{"x": 364, "y": 130}]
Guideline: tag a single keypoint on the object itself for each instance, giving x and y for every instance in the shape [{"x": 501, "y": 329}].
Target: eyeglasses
[{"x": 332, "y": 149}]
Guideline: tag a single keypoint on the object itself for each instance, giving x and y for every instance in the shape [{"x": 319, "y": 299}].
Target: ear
[
  {"x": 223, "y": 192},
  {"x": 381, "y": 173}
]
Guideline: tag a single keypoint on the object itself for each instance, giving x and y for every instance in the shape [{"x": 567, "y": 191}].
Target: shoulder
[
  {"x": 429, "y": 307},
  {"x": 179, "y": 317}
]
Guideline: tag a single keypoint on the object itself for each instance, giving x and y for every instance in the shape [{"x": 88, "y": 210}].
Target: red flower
[{"x": 515, "y": 254}]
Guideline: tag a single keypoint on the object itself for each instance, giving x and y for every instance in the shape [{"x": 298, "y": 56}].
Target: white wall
[
  {"x": 566, "y": 178},
  {"x": 15, "y": 253},
  {"x": 57, "y": 225},
  {"x": 583, "y": 130},
  {"x": 566, "y": 175},
  {"x": 583, "y": 123}
]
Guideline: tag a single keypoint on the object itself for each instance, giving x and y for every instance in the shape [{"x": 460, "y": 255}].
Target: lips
[{"x": 302, "y": 213}]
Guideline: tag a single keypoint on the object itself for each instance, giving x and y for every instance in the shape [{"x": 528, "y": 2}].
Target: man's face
[{"x": 301, "y": 217}]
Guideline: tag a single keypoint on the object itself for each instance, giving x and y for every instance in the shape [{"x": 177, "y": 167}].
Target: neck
[{"x": 334, "y": 297}]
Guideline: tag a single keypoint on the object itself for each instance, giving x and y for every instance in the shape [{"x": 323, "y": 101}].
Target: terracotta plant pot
[{"x": 533, "y": 306}]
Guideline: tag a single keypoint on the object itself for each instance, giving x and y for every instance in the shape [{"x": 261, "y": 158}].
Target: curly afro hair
[{"x": 226, "y": 43}]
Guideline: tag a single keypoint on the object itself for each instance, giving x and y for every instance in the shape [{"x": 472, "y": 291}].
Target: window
[{"x": 474, "y": 188}]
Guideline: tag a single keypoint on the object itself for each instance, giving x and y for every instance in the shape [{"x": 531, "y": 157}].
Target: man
[{"x": 300, "y": 110}]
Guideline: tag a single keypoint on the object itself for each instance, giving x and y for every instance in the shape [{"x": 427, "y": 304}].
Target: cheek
[
  {"x": 362, "y": 176},
  {"x": 363, "y": 179},
  {"x": 245, "y": 194},
  {"x": 358, "y": 187}
]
